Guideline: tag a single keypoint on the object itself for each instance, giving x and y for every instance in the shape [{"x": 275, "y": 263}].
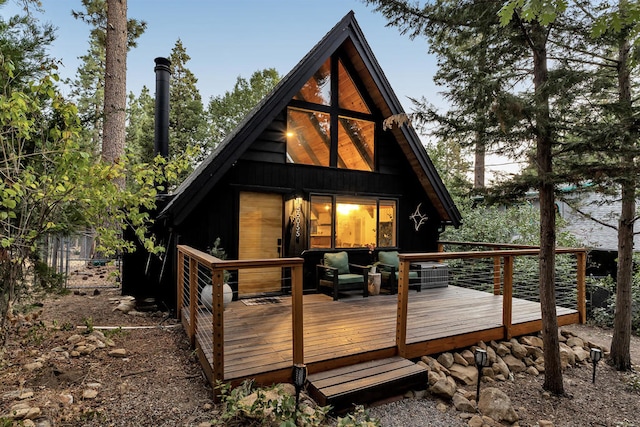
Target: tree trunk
[
  {"x": 544, "y": 141},
  {"x": 115, "y": 83},
  {"x": 478, "y": 175},
  {"x": 620, "y": 344}
]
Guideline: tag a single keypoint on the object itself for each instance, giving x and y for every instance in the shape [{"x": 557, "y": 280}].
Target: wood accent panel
[{"x": 259, "y": 230}]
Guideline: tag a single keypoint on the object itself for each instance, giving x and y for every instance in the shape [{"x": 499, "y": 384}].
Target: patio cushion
[
  {"x": 339, "y": 260},
  {"x": 412, "y": 274},
  {"x": 345, "y": 279},
  {"x": 390, "y": 258}
]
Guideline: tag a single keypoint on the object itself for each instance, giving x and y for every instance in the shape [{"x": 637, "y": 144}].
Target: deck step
[{"x": 365, "y": 382}]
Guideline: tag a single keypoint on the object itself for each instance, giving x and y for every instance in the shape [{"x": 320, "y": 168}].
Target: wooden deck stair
[{"x": 365, "y": 382}]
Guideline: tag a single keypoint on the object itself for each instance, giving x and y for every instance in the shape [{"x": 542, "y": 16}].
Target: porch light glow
[
  {"x": 596, "y": 355},
  {"x": 290, "y": 134}
]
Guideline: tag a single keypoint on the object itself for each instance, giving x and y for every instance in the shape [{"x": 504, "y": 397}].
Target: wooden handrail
[
  {"x": 508, "y": 256},
  {"x": 216, "y": 267}
]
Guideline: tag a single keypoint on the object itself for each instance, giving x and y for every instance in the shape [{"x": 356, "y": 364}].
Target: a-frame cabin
[{"x": 311, "y": 169}]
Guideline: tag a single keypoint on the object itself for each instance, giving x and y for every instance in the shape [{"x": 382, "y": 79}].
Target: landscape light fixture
[
  {"x": 480, "y": 358},
  {"x": 299, "y": 377},
  {"x": 596, "y": 355}
]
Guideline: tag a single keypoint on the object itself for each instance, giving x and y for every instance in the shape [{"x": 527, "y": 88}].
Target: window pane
[
  {"x": 356, "y": 221},
  {"x": 321, "y": 221},
  {"x": 318, "y": 88},
  {"x": 349, "y": 97},
  {"x": 308, "y": 137},
  {"x": 387, "y": 228},
  {"x": 355, "y": 144}
]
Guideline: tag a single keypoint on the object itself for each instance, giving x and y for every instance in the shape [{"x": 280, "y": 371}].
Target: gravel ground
[{"x": 415, "y": 412}]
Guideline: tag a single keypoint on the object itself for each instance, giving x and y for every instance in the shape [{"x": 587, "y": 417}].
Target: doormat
[{"x": 264, "y": 300}]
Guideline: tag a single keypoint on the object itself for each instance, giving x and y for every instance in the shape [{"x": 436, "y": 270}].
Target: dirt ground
[{"x": 142, "y": 372}]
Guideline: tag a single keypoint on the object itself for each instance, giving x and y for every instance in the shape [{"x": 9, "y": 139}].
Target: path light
[
  {"x": 596, "y": 355},
  {"x": 299, "y": 377},
  {"x": 480, "y": 358}
]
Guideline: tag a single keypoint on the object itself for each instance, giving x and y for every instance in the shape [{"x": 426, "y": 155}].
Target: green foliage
[
  {"x": 529, "y": 10},
  {"x": 226, "y": 111},
  {"x": 247, "y": 405},
  {"x": 359, "y": 417},
  {"x": 604, "y": 316},
  {"x": 219, "y": 252},
  {"x": 37, "y": 334},
  {"x": 88, "y": 322},
  {"x": 117, "y": 332},
  {"x": 50, "y": 183},
  {"x": 632, "y": 380},
  {"x": 47, "y": 278},
  {"x": 518, "y": 223}
]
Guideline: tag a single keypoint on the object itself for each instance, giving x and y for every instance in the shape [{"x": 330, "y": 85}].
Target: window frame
[
  {"x": 334, "y": 202},
  {"x": 335, "y": 113}
]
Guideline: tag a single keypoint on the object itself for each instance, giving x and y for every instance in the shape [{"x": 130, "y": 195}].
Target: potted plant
[{"x": 206, "y": 295}]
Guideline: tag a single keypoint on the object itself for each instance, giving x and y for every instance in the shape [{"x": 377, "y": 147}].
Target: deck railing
[
  {"x": 205, "y": 325},
  {"x": 507, "y": 276},
  {"x": 507, "y": 270}
]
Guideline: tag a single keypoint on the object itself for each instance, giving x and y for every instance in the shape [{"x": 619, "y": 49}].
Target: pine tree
[
  {"x": 187, "y": 121},
  {"x": 226, "y": 111}
]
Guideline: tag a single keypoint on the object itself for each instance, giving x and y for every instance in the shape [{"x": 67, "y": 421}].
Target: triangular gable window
[{"x": 331, "y": 128}]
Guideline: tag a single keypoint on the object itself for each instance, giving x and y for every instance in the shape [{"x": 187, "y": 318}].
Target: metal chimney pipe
[{"x": 161, "y": 130}]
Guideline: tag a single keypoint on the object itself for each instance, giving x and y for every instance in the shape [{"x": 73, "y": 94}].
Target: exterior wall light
[
  {"x": 596, "y": 355},
  {"x": 480, "y": 357}
]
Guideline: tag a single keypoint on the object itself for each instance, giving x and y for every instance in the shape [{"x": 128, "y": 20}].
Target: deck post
[
  {"x": 581, "y": 261},
  {"x": 296, "y": 315},
  {"x": 496, "y": 275},
  {"x": 180, "y": 288},
  {"x": 217, "y": 318},
  {"x": 403, "y": 302},
  {"x": 193, "y": 299},
  {"x": 507, "y": 294}
]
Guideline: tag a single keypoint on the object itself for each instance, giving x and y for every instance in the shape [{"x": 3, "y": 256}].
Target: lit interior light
[{"x": 345, "y": 208}]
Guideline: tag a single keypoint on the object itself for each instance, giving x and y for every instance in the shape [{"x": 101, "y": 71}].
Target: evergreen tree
[
  {"x": 115, "y": 83},
  {"x": 140, "y": 126},
  {"x": 226, "y": 111},
  {"x": 88, "y": 86},
  {"x": 187, "y": 121}
]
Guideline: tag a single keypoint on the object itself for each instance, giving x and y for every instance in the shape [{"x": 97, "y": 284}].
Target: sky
[{"x": 230, "y": 38}]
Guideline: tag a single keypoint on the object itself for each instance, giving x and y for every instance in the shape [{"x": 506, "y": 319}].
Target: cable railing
[
  {"x": 510, "y": 272},
  {"x": 201, "y": 310}
]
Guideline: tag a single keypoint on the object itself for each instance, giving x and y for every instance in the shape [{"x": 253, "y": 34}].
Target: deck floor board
[{"x": 258, "y": 339}]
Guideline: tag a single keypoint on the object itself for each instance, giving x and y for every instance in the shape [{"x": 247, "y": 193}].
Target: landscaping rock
[
  {"x": 464, "y": 374},
  {"x": 496, "y": 404},
  {"x": 514, "y": 364},
  {"x": 446, "y": 360},
  {"x": 457, "y": 358},
  {"x": 575, "y": 342},
  {"x": 532, "y": 341},
  {"x": 468, "y": 356},
  {"x": 445, "y": 387},
  {"x": 517, "y": 349},
  {"x": 462, "y": 404}
]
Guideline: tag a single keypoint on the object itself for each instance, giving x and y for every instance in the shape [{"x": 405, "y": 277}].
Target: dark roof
[{"x": 346, "y": 33}]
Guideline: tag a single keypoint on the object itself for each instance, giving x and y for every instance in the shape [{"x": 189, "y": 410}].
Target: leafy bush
[
  {"x": 247, "y": 405},
  {"x": 603, "y": 316}
]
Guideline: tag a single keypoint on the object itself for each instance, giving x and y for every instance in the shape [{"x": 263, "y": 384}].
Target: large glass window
[
  {"x": 308, "y": 138},
  {"x": 315, "y": 109},
  {"x": 321, "y": 221},
  {"x": 358, "y": 222},
  {"x": 355, "y": 144}
]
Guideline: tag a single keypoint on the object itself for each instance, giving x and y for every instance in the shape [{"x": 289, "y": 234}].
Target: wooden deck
[{"x": 258, "y": 339}]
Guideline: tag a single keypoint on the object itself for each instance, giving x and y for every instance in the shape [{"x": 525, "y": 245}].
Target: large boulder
[{"x": 496, "y": 404}]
